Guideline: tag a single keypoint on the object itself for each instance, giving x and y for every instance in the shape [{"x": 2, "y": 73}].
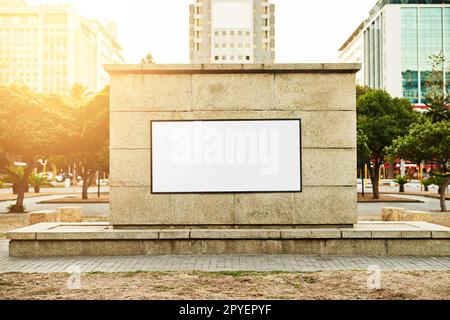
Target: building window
[
  {"x": 224, "y": 58},
  {"x": 216, "y": 45},
  {"x": 224, "y": 45},
  {"x": 247, "y": 58},
  {"x": 224, "y": 33},
  {"x": 216, "y": 58}
]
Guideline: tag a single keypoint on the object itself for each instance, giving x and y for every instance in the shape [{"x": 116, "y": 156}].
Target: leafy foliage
[
  {"x": 37, "y": 179},
  {"x": 437, "y": 97},
  {"x": 402, "y": 180},
  {"x": 381, "y": 119}
]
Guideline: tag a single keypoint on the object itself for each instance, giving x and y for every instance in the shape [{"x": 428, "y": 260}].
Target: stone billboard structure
[
  {"x": 322, "y": 96},
  {"x": 308, "y": 207}
]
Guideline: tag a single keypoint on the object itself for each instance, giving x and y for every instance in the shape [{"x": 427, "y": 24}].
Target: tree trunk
[
  {"x": 85, "y": 187},
  {"x": 426, "y": 189},
  {"x": 37, "y": 189},
  {"x": 87, "y": 181},
  {"x": 442, "y": 194},
  {"x": 20, "y": 196},
  {"x": 22, "y": 184},
  {"x": 402, "y": 188},
  {"x": 374, "y": 178}
]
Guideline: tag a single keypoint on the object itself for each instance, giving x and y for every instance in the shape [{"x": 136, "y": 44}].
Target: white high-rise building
[
  {"x": 232, "y": 31},
  {"x": 50, "y": 48},
  {"x": 395, "y": 43}
]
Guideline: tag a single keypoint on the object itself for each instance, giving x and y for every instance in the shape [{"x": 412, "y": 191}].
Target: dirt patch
[
  {"x": 384, "y": 198},
  {"x": 104, "y": 198},
  {"x": 228, "y": 285}
]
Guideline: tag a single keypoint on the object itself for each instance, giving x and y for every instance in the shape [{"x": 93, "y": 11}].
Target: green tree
[
  {"x": 436, "y": 96},
  {"x": 28, "y": 128},
  {"x": 381, "y": 119},
  {"x": 361, "y": 90},
  {"x": 89, "y": 147},
  {"x": 427, "y": 141}
]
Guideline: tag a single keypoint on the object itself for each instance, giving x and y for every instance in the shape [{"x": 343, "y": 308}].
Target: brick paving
[{"x": 215, "y": 263}]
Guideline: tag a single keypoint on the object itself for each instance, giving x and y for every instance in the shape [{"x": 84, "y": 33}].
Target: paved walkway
[
  {"x": 215, "y": 263},
  {"x": 32, "y": 204},
  {"x": 429, "y": 204}
]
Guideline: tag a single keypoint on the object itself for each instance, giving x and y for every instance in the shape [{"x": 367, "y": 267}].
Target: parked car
[{"x": 61, "y": 177}]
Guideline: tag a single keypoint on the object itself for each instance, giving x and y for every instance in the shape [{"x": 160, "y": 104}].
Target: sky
[{"x": 305, "y": 30}]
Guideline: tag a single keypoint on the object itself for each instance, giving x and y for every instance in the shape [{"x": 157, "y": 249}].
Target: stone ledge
[
  {"x": 321, "y": 247},
  {"x": 104, "y": 231},
  {"x": 232, "y": 68}
]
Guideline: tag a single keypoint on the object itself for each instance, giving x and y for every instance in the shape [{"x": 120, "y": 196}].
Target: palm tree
[
  {"x": 148, "y": 59},
  {"x": 79, "y": 94}
]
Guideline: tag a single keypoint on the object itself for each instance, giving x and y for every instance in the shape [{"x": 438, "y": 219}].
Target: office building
[
  {"x": 50, "y": 48},
  {"x": 232, "y": 31},
  {"x": 395, "y": 43}
]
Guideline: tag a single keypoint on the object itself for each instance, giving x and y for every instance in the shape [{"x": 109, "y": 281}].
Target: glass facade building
[
  {"x": 425, "y": 32},
  {"x": 399, "y": 37}
]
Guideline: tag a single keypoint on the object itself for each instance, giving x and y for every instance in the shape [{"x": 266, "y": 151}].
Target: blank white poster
[{"x": 226, "y": 156}]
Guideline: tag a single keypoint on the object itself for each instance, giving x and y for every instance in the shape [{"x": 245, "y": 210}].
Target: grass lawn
[{"x": 228, "y": 285}]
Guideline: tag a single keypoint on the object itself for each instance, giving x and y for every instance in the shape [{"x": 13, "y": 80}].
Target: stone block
[
  {"x": 392, "y": 214},
  {"x": 151, "y": 92},
  {"x": 422, "y": 234},
  {"x": 352, "y": 247},
  {"x": 43, "y": 216},
  {"x": 418, "y": 247},
  {"x": 174, "y": 234},
  {"x": 329, "y": 167},
  {"x": 226, "y": 92},
  {"x": 131, "y": 130},
  {"x": 311, "y": 234},
  {"x": 244, "y": 247},
  {"x": 315, "y": 92},
  {"x": 112, "y": 248},
  {"x": 388, "y": 234},
  {"x": 202, "y": 209},
  {"x": 307, "y": 247},
  {"x": 137, "y": 206},
  {"x": 267, "y": 208},
  {"x": 130, "y": 168},
  {"x": 325, "y": 206},
  {"x": 356, "y": 234},
  {"x": 418, "y": 216},
  {"x": 440, "y": 234},
  {"x": 69, "y": 214},
  {"x": 235, "y": 234},
  {"x": 19, "y": 248}
]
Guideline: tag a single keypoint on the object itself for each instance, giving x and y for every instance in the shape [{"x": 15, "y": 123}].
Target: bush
[
  {"x": 401, "y": 181},
  {"x": 36, "y": 180},
  {"x": 427, "y": 183}
]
